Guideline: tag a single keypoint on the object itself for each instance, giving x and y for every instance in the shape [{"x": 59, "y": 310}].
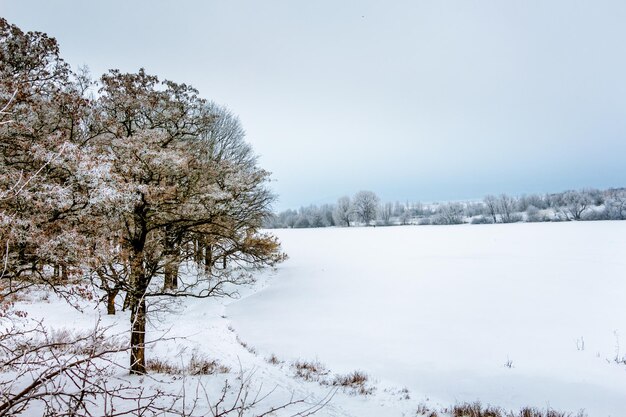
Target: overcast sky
[{"x": 415, "y": 100}]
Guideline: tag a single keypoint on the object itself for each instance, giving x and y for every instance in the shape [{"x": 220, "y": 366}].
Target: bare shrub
[
  {"x": 424, "y": 221},
  {"x": 244, "y": 399},
  {"x": 310, "y": 370},
  {"x": 481, "y": 220},
  {"x": 354, "y": 383},
  {"x": 534, "y": 215}
]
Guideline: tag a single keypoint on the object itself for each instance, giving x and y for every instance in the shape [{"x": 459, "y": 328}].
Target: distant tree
[
  {"x": 287, "y": 218},
  {"x": 448, "y": 213},
  {"x": 302, "y": 222},
  {"x": 385, "y": 212},
  {"x": 316, "y": 217},
  {"x": 482, "y": 220},
  {"x": 595, "y": 195},
  {"x": 326, "y": 211},
  {"x": 615, "y": 204},
  {"x": 472, "y": 209},
  {"x": 576, "y": 203},
  {"x": 531, "y": 200},
  {"x": 343, "y": 212},
  {"x": 405, "y": 217},
  {"x": 492, "y": 207},
  {"x": 365, "y": 204},
  {"x": 533, "y": 214},
  {"x": 556, "y": 200},
  {"x": 417, "y": 209},
  {"x": 398, "y": 209},
  {"x": 507, "y": 206}
]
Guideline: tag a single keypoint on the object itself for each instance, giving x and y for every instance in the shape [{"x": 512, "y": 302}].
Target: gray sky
[{"x": 415, "y": 100}]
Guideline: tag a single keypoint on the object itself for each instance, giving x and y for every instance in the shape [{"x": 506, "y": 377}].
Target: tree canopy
[{"x": 123, "y": 186}]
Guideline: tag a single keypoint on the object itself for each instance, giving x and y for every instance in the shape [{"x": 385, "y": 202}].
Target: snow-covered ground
[{"x": 511, "y": 315}]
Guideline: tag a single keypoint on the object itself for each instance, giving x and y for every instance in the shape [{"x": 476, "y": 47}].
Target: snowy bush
[{"x": 481, "y": 220}]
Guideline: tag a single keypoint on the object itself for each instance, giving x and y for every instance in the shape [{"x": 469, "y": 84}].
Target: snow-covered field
[{"x": 511, "y": 315}]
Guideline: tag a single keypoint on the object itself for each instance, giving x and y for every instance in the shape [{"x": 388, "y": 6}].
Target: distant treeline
[{"x": 365, "y": 209}]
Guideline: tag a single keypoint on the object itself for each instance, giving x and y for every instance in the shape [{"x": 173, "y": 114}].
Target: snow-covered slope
[{"x": 512, "y": 315}]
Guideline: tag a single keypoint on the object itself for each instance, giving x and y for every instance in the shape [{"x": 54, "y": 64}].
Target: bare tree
[
  {"x": 385, "y": 212},
  {"x": 615, "y": 204},
  {"x": 365, "y": 205},
  {"x": 507, "y": 208},
  {"x": 492, "y": 207},
  {"x": 343, "y": 211},
  {"x": 449, "y": 213},
  {"x": 533, "y": 214},
  {"x": 576, "y": 203}
]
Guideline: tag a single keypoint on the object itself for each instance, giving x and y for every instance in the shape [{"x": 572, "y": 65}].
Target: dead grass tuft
[
  {"x": 354, "y": 382},
  {"x": 310, "y": 370},
  {"x": 198, "y": 365},
  {"x": 476, "y": 409},
  {"x": 247, "y": 347},
  {"x": 273, "y": 359},
  {"x": 424, "y": 411}
]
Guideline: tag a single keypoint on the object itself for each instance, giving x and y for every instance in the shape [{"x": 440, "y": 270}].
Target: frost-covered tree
[
  {"x": 576, "y": 203},
  {"x": 615, "y": 204},
  {"x": 385, "y": 211},
  {"x": 472, "y": 209},
  {"x": 448, "y": 213},
  {"x": 531, "y": 200},
  {"x": 178, "y": 180},
  {"x": 365, "y": 205},
  {"x": 492, "y": 208},
  {"x": 507, "y": 205},
  {"x": 405, "y": 217},
  {"x": 533, "y": 214},
  {"x": 47, "y": 174},
  {"x": 343, "y": 211}
]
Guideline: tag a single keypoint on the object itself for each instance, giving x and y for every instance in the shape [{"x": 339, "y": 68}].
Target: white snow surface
[
  {"x": 443, "y": 309},
  {"x": 437, "y": 309}
]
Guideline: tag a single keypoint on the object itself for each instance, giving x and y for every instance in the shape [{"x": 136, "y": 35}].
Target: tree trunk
[
  {"x": 138, "y": 286},
  {"x": 172, "y": 255},
  {"x": 111, "y": 294},
  {"x": 138, "y": 314},
  {"x": 170, "y": 276},
  {"x": 208, "y": 258},
  {"x": 197, "y": 251},
  {"x": 126, "y": 303},
  {"x": 138, "y": 338},
  {"x": 64, "y": 273}
]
